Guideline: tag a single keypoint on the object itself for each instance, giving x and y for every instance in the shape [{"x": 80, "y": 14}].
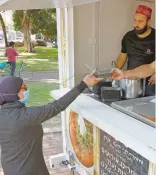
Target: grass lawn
[
  {"x": 39, "y": 65},
  {"x": 36, "y": 65},
  {"x": 41, "y": 53},
  {"x": 40, "y": 92},
  {"x": 45, "y": 59}
]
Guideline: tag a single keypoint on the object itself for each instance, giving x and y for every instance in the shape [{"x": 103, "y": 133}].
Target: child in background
[{"x": 11, "y": 54}]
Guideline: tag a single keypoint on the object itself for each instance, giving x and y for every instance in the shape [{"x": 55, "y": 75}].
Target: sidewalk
[
  {"x": 36, "y": 76},
  {"x": 40, "y": 76}
]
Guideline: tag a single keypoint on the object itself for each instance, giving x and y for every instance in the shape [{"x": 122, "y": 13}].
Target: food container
[
  {"x": 132, "y": 88},
  {"x": 97, "y": 88},
  {"x": 110, "y": 94}
]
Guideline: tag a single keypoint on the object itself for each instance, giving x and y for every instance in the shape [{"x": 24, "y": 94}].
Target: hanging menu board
[{"x": 117, "y": 159}]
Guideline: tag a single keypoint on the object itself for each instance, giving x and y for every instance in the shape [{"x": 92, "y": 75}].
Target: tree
[
  {"x": 45, "y": 23},
  {"x": 4, "y": 30},
  {"x": 22, "y": 22},
  {"x": 35, "y": 21}
]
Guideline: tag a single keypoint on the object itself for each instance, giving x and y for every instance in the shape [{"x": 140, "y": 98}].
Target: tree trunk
[
  {"x": 27, "y": 35},
  {"x": 4, "y": 30},
  {"x": 27, "y": 40}
]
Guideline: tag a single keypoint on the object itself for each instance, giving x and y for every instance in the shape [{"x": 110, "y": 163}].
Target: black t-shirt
[{"x": 139, "y": 50}]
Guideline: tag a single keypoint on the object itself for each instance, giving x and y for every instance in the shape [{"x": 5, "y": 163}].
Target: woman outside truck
[
  {"x": 21, "y": 132},
  {"x": 11, "y": 54}
]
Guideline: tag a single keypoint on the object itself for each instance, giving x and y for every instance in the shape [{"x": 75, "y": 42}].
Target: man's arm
[
  {"x": 140, "y": 72},
  {"x": 121, "y": 60}
]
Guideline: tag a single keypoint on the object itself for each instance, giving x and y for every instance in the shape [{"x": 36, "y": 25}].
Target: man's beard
[{"x": 141, "y": 31}]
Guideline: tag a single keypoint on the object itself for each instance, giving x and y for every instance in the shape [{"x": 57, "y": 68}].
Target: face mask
[{"x": 26, "y": 97}]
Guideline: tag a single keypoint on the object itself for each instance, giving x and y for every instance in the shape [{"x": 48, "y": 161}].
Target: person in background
[
  {"x": 138, "y": 45},
  {"x": 21, "y": 132},
  {"x": 11, "y": 54},
  {"x": 139, "y": 72}
]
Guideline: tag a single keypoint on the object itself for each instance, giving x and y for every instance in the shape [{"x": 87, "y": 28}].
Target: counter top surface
[{"x": 133, "y": 133}]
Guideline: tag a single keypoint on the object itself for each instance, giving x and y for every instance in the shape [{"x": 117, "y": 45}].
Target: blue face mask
[{"x": 26, "y": 97}]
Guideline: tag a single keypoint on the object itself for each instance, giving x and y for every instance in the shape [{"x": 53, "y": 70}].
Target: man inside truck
[{"x": 138, "y": 45}]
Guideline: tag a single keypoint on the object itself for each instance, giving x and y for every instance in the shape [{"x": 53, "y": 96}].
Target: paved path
[
  {"x": 36, "y": 76},
  {"x": 40, "y": 76}
]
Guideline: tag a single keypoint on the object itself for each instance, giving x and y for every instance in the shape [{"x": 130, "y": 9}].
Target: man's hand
[
  {"x": 117, "y": 74},
  {"x": 152, "y": 80},
  {"x": 91, "y": 80}
]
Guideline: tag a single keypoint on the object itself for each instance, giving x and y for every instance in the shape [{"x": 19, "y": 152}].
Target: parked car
[{"x": 41, "y": 43}]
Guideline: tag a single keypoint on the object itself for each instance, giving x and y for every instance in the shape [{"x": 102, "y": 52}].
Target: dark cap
[{"x": 9, "y": 89}]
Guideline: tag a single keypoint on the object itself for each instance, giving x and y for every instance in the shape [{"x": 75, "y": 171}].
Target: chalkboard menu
[{"x": 117, "y": 159}]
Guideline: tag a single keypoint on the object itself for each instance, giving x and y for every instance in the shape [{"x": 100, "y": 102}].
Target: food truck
[{"x": 101, "y": 136}]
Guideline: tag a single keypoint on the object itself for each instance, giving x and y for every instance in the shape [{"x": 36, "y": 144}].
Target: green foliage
[
  {"x": 17, "y": 18},
  {"x": 42, "y": 21}
]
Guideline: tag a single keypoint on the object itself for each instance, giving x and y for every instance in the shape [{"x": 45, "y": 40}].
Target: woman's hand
[{"x": 91, "y": 80}]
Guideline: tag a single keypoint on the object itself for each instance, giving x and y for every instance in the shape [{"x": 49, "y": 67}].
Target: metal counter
[{"x": 141, "y": 109}]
